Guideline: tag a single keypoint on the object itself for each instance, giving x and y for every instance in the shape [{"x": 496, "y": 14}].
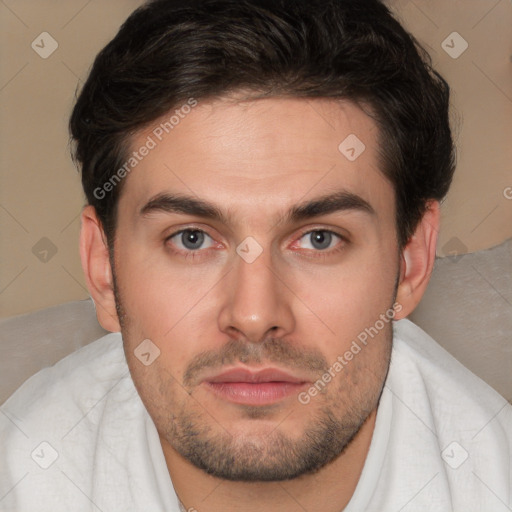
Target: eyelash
[
  {"x": 329, "y": 252},
  {"x": 199, "y": 253}
]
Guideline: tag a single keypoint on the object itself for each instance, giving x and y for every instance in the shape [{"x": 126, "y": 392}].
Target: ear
[
  {"x": 98, "y": 272},
  {"x": 417, "y": 261}
]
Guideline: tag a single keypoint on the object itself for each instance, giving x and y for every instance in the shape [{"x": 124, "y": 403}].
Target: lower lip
[{"x": 260, "y": 393}]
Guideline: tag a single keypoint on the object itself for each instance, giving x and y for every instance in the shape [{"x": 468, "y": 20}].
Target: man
[{"x": 263, "y": 182}]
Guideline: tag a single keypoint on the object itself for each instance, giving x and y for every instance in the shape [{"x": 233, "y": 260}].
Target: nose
[{"x": 256, "y": 302}]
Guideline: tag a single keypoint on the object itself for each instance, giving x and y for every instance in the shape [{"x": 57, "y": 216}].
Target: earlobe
[
  {"x": 96, "y": 266},
  {"x": 417, "y": 261}
]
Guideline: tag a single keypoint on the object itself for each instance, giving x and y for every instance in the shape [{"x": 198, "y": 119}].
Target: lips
[{"x": 263, "y": 387}]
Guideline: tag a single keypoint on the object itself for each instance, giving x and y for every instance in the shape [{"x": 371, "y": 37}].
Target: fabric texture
[
  {"x": 39, "y": 339},
  {"x": 77, "y": 437},
  {"x": 467, "y": 308}
]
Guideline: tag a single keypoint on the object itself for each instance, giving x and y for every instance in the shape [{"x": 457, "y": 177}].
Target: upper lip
[{"x": 252, "y": 376}]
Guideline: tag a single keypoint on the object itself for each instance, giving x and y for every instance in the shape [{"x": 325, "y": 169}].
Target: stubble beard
[
  {"x": 267, "y": 457},
  {"x": 273, "y": 456}
]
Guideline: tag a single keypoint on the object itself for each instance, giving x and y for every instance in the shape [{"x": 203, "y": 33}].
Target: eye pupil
[
  {"x": 192, "y": 239},
  {"x": 321, "y": 239}
]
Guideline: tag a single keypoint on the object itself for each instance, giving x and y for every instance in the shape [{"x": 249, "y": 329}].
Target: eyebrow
[{"x": 188, "y": 205}]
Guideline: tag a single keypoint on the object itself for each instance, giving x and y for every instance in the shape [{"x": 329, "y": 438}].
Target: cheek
[
  {"x": 159, "y": 295},
  {"x": 160, "y": 390},
  {"x": 173, "y": 307},
  {"x": 177, "y": 306},
  {"x": 345, "y": 300}
]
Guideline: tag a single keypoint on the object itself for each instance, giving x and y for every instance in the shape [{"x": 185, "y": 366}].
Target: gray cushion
[
  {"x": 468, "y": 310},
  {"x": 34, "y": 341}
]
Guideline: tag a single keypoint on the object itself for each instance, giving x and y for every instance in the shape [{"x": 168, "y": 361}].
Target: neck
[{"x": 329, "y": 489}]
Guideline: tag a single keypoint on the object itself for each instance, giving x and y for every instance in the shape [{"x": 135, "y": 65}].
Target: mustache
[{"x": 271, "y": 350}]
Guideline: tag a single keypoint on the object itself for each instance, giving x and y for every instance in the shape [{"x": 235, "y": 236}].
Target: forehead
[{"x": 264, "y": 154}]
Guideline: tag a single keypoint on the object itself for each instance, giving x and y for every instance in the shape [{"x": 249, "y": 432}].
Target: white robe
[{"x": 76, "y": 437}]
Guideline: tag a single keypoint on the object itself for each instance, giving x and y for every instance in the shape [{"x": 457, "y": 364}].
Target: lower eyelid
[
  {"x": 341, "y": 239},
  {"x": 181, "y": 231}
]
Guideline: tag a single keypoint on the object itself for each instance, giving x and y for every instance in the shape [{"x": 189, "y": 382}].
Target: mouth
[{"x": 263, "y": 387}]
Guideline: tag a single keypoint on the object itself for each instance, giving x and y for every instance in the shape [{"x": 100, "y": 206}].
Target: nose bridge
[{"x": 257, "y": 304}]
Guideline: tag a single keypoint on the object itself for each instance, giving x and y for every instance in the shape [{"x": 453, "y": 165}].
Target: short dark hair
[{"x": 169, "y": 51}]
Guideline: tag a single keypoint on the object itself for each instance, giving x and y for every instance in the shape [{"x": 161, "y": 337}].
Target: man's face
[{"x": 249, "y": 308}]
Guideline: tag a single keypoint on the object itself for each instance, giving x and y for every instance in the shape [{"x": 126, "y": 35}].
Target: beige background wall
[{"x": 41, "y": 198}]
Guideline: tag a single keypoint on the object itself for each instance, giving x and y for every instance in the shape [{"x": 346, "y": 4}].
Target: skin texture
[{"x": 296, "y": 307}]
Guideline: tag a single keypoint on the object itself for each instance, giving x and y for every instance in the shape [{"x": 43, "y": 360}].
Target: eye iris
[
  {"x": 321, "y": 239},
  {"x": 192, "y": 239}
]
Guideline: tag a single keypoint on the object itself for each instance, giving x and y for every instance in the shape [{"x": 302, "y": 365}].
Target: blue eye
[
  {"x": 191, "y": 240},
  {"x": 320, "y": 239}
]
